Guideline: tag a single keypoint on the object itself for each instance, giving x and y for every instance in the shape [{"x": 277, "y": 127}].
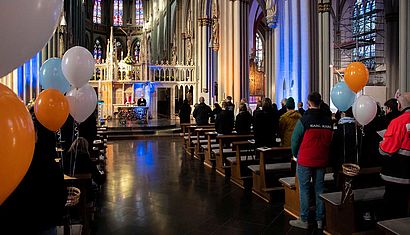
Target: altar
[{"x": 132, "y": 113}]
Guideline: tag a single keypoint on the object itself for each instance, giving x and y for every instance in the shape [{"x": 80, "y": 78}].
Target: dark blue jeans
[{"x": 306, "y": 175}]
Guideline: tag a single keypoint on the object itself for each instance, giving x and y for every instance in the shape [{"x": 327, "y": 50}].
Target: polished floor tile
[{"x": 153, "y": 188}]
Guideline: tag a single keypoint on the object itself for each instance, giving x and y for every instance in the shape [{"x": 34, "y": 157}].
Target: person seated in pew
[
  {"x": 287, "y": 122},
  {"x": 243, "y": 121},
  {"x": 264, "y": 127},
  {"x": 311, "y": 141},
  {"x": 224, "y": 121},
  {"x": 202, "y": 112},
  {"x": 78, "y": 161},
  {"x": 395, "y": 149}
]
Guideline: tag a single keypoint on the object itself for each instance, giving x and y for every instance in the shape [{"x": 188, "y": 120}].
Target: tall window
[
  {"x": 97, "y": 12},
  {"x": 97, "y": 51},
  {"x": 364, "y": 23},
  {"x": 139, "y": 13},
  {"x": 118, "y": 12},
  {"x": 259, "y": 52}
]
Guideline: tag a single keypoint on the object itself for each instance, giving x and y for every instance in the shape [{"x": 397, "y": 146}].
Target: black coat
[
  {"x": 224, "y": 122},
  {"x": 243, "y": 122},
  {"x": 202, "y": 113},
  {"x": 38, "y": 202},
  {"x": 264, "y": 128},
  {"x": 215, "y": 113},
  {"x": 185, "y": 113}
]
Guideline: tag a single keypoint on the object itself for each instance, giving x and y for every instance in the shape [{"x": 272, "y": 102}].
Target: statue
[
  {"x": 174, "y": 50},
  {"x": 215, "y": 26},
  {"x": 188, "y": 50},
  {"x": 189, "y": 25},
  {"x": 271, "y": 13}
]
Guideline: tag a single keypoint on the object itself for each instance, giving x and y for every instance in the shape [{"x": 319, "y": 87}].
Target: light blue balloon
[
  {"x": 51, "y": 76},
  {"x": 342, "y": 97}
]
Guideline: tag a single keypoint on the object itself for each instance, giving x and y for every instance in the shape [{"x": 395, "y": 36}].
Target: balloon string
[{"x": 357, "y": 144}]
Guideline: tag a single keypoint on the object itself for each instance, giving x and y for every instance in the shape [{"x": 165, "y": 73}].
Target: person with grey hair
[
  {"x": 283, "y": 109},
  {"x": 395, "y": 148},
  {"x": 202, "y": 112}
]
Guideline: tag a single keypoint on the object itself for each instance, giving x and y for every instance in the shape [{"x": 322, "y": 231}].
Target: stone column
[
  {"x": 391, "y": 45},
  {"x": 404, "y": 45},
  {"x": 294, "y": 78},
  {"x": 270, "y": 76},
  {"x": 305, "y": 46},
  {"x": 324, "y": 7}
]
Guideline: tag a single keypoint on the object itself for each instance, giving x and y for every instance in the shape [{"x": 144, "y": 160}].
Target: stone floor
[{"x": 153, "y": 188}]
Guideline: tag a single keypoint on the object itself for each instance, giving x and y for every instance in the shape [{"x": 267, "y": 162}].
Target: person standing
[
  {"x": 283, "y": 108},
  {"x": 287, "y": 122},
  {"x": 185, "y": 112},
  {"x": 229, "y": 105},
  {"x": 311, "y": 142},
  {"x": 243, "y": 120},
  {"x": 300, "y": 108},
  {"x": 264, "y": 127},
  {"x": 215, "y": 112},
  {"x": 392, "y": 110},
  {"x": 395, "y": 148},
  {"x": 202, "y": 112},
  {"x": 224, "y": 120}
]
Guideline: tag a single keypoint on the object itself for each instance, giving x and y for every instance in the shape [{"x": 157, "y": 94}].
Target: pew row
[
  {"x": 348, "y": 217},
  {"x": 274, "y": 163}
]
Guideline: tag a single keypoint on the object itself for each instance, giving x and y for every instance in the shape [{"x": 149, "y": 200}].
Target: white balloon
[
  {"x": 364, "y": 109},
  {"x": 82, "y": 102},
  {"x": 78, "y": 66},
  {"x": 25, "y": 27}
]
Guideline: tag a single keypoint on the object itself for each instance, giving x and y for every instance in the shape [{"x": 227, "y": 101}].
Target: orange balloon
[
  {"x": 356, "y": 76},
  {"x": 17, "y": 138},
  {"x": 51, "y": 109}
]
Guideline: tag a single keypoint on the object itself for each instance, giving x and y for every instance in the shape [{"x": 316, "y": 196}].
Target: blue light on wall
[{"x": 27, "y": 78}]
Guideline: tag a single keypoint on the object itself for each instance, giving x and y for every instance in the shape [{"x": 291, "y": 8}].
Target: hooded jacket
[{"x": 287, "y": 123}]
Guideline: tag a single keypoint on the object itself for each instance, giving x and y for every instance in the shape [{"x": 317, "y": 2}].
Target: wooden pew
[
  {"x": 245, "y": 156},
  {"x": 210, "y": 145},
  {"x": 189, "y": 148},
  {"x": 184, "y": 133},
  {"x": 225, "y": 150},
  {"x": 274, "y": 163},
  {"x": 395, "y": 226},
  {"x": 368, "y": 177},
  {"x": 347, "y": 217},
  {"x": 291, "y": 187},
  {"x": 201, "y": 140}
]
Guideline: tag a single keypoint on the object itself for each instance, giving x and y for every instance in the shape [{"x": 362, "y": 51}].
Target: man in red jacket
[
  {"x": 395, "y": 148},
  {"x": 311, "y": 141}
]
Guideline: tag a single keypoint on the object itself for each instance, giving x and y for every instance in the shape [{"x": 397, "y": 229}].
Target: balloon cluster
[
  {"x": 56, "y": 75},
  {"x": 29, "y": 30},
  {"x": 343, "y": 94}
]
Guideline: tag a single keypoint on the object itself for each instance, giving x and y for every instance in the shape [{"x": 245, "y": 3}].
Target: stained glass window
[
  {"x": 139, "y": 13},
  {"x": 97, "y": 12},
  {"x": 118, "y": 12},
  {"x": 259, "y": 52},
  {"x": 97, "y": 51},
  {"x": 137, "y": 51},
  {"x": 364, "y": 22}
]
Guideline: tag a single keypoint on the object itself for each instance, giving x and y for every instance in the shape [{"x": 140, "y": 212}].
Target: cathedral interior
[{"x": 165, "y": 52}]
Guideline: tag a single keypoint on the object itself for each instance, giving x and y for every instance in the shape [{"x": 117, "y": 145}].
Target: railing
[{"x": 166, "y": 72}]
